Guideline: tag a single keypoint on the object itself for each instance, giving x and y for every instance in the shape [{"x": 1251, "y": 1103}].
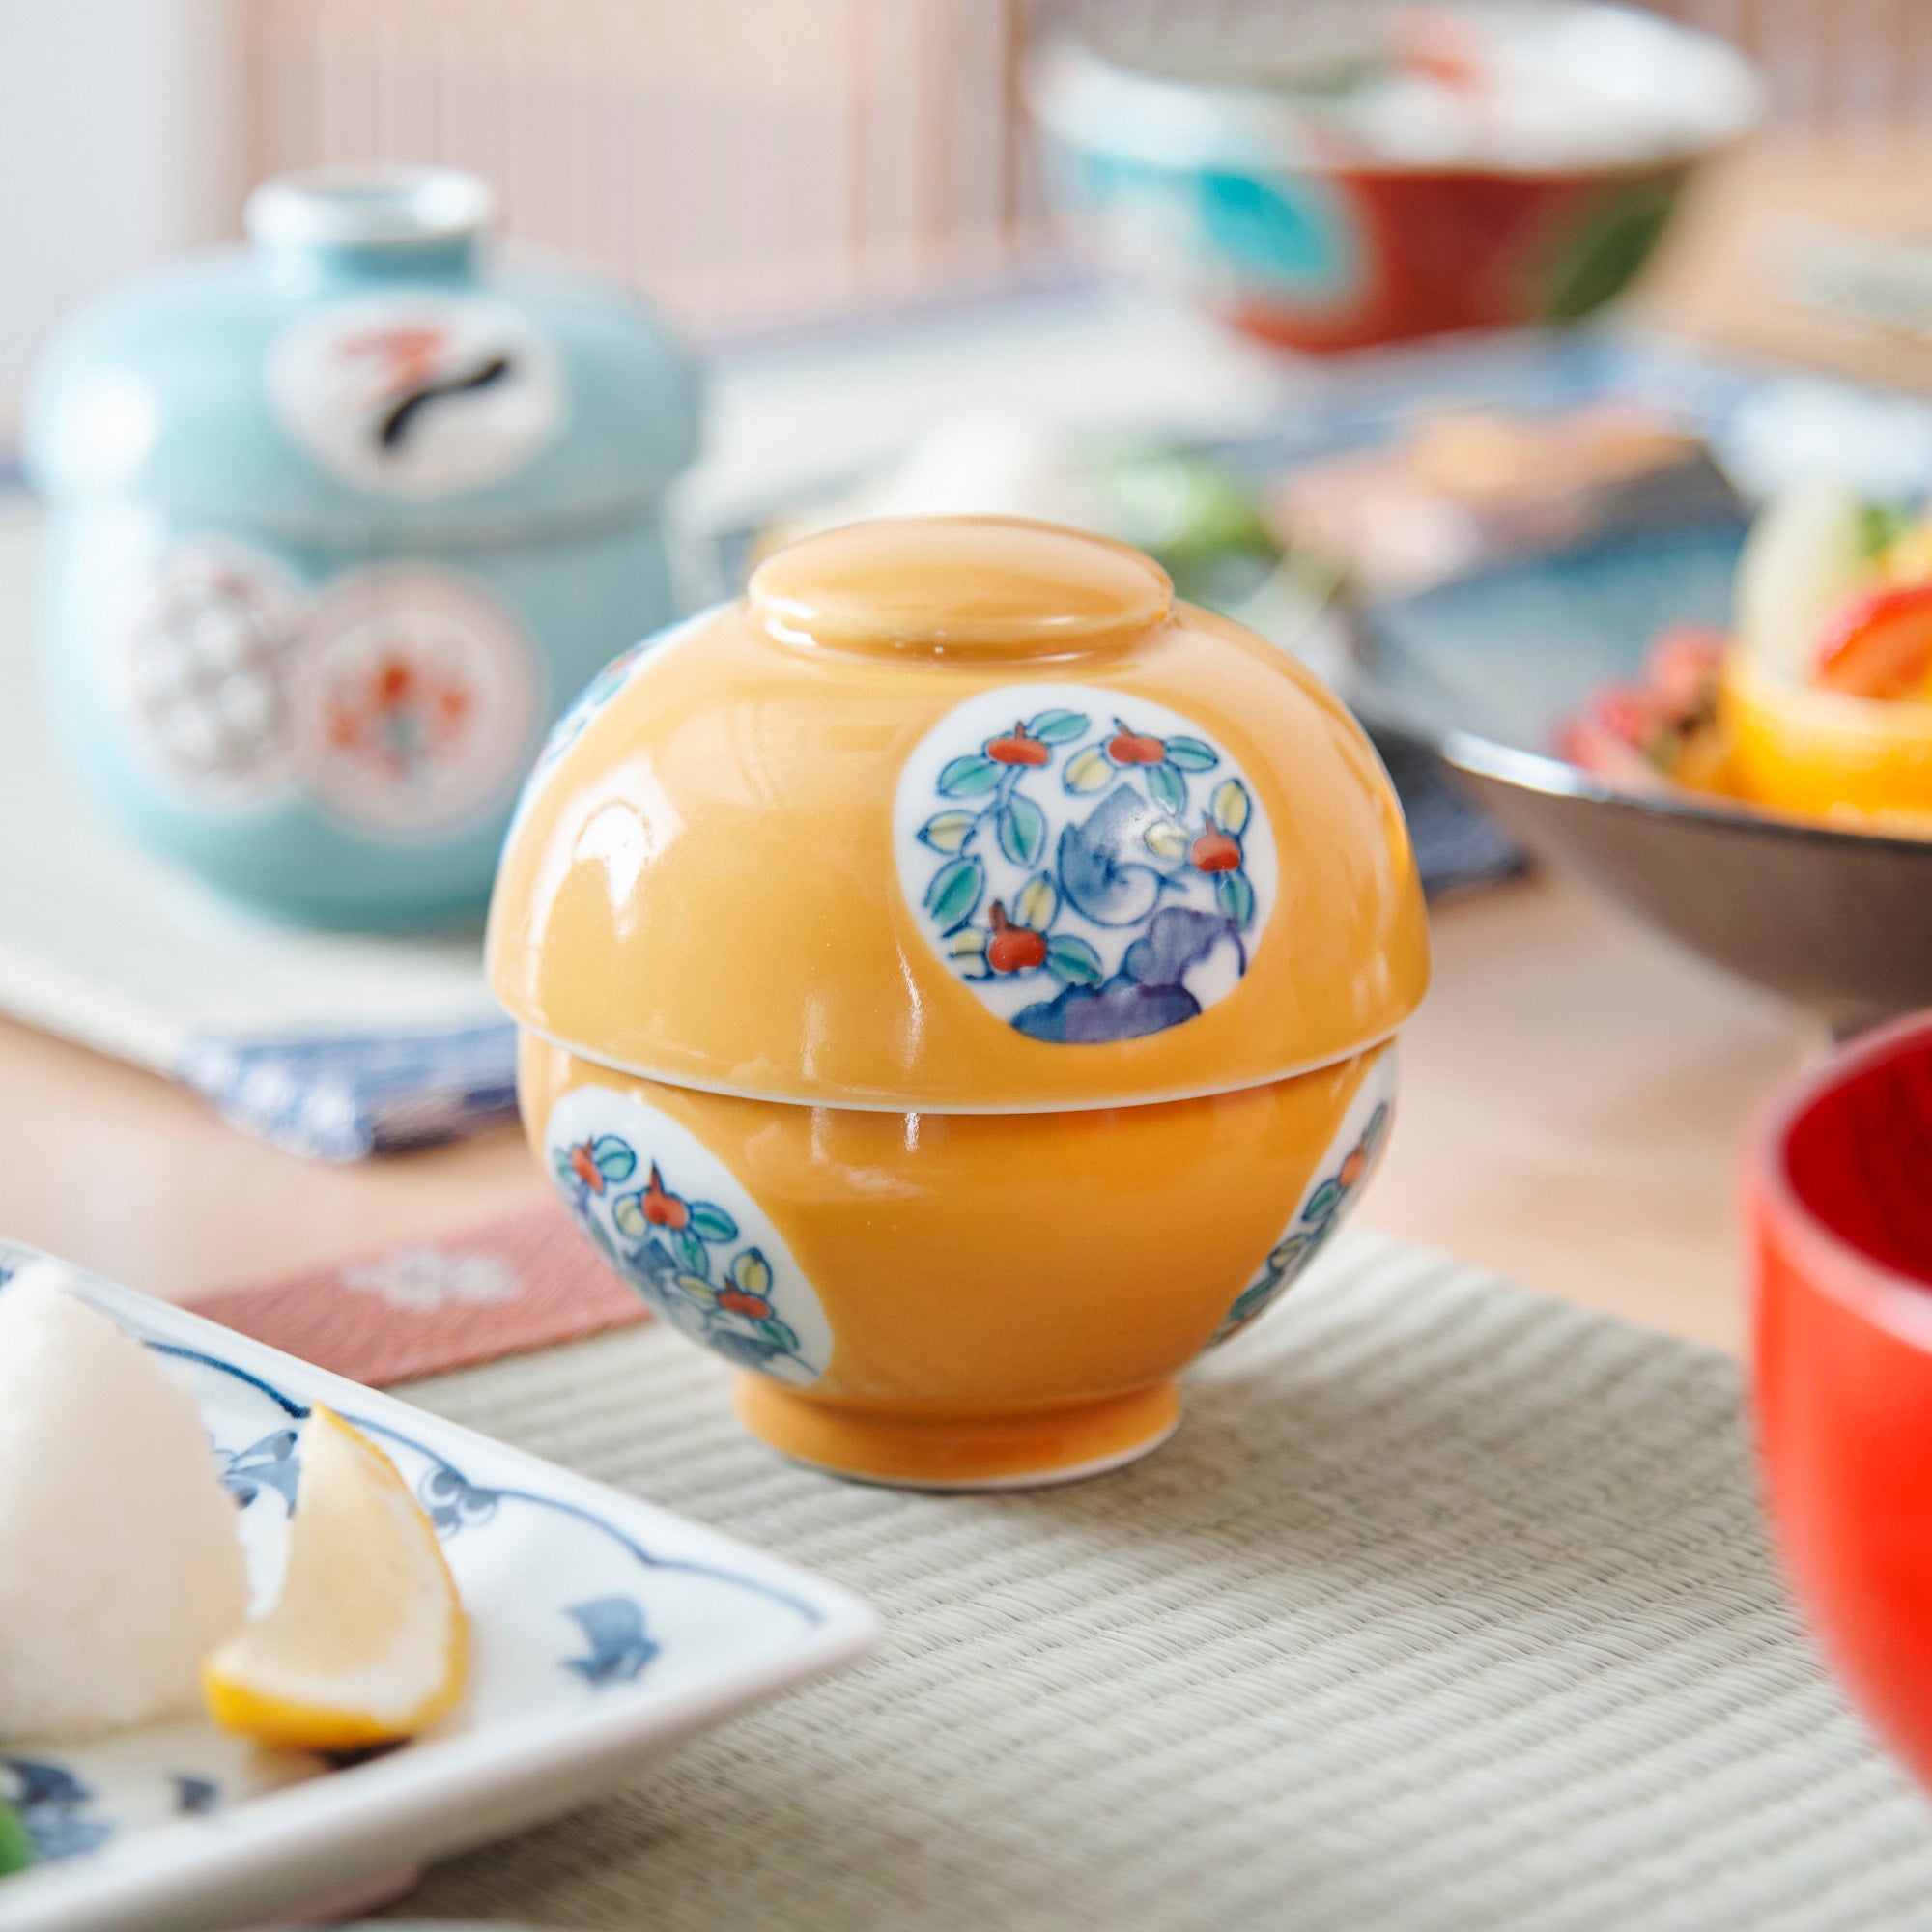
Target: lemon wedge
[{"x": 367, "y": 1642}]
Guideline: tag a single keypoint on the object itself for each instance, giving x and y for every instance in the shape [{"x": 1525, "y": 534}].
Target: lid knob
[
  {"x": 382, "y": 220},
  {"x": 962, "y": 588}
]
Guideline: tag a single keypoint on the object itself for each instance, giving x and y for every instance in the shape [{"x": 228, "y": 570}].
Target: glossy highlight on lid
[
  {"x": 731, "y": 877},
  {"x": 959, "y": 588}
]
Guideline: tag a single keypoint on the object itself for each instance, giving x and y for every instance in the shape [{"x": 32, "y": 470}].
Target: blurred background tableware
[
  {"x": 1332, "y": 174},
  {"x": 1484, "y": 672},
  {"x": 1838, "y": 1186},
  {"x": 958, "y": 868},
  {"x": 338, "y": 524}
]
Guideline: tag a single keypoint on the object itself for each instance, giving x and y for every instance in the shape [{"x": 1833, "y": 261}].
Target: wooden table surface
[{"x": 1574, "y": 1090}]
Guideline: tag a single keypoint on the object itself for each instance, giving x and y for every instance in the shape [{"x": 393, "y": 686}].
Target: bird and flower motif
[
  {"x": 704, "y": 1264},
  {"x": 1338, "y": 1183},
  {"x": 1092, "y": 865}
]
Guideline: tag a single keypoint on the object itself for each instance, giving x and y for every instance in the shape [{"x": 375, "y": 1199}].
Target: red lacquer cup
[{"x": 1840, "y": 1200}]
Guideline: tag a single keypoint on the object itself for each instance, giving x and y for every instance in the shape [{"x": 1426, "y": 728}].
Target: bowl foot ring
[{"x": 1028, "y": 1449}]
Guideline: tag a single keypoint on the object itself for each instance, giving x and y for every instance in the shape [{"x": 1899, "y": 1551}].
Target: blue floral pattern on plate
[
  {"x": 583, "y": 1601},
  {"x": 1096, "y": 866}
]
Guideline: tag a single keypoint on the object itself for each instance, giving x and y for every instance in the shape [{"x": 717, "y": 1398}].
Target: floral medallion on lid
[{"x": 1093, "y": 866}]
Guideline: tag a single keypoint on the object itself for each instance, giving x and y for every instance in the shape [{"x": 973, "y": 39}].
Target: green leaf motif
[
  {"x": 1056, "y": 727},
  {"x": 947, "y": 831},
  {"x": 1191, "y": 754},
  {"x": 776, "y": 1330},
  {"x": 1086, "y": 770},
  {"x": 1071, "y": 959},
  {"x": 752, "y": 1272},
  {"x": 968, "y": 777},
  {"x": 690, "y": 1254},
  {"x": 1022, "y": 830},
  {"x": 711, "y": 1223},
  {"x": 1236, "y": 897},
  {"x": 1168, "y": 786},
  {"x": 628, "y": 1212},
  {"x": 613, "y": 1157},
  {"x": 954, "y": 892},
  {"x": 1323, "y": 1202}
]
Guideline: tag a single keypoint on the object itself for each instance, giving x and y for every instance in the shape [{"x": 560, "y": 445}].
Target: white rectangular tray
[{"x": 602, "y": 1630}]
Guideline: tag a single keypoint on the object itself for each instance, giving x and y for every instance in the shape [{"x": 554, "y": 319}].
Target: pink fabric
[{"x": 503, "y": 1286}]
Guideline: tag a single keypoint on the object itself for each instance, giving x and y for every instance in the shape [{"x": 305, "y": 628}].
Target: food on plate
[
  {"x": 366, "y": 1643},
  {"x": 1663, "y": 729},
  {"x": 1461, "y": 487},
  {"x": 17, "y": 1849},
  {"x": 1819, "y": 701},
  {"x": 120, "y": 1566}
]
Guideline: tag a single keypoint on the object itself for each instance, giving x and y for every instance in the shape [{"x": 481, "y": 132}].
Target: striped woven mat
[{"x": 1446, "y": 1610}]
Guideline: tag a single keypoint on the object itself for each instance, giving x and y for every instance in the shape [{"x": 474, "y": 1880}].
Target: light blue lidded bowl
[{"x": 339, "y": 522}]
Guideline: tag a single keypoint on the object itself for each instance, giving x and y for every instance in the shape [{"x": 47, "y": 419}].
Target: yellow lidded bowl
[{"x": 956, "y": 982}]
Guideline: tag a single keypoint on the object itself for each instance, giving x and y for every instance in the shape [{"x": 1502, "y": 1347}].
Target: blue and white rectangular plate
[{"x": 602, "y": 1628}]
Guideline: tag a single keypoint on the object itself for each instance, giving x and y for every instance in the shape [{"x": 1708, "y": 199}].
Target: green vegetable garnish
[
  {"x": 1881, "y": 525},
  {"x": 1201, "y": 519},
  {"x": 17, "y": 1849}
]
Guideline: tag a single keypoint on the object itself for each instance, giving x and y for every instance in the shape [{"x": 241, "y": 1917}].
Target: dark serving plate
[{"x": 1482, "y": 671}]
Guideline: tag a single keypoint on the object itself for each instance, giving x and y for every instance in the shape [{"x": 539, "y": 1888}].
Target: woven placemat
[{"x": 1447, "y": 1610}]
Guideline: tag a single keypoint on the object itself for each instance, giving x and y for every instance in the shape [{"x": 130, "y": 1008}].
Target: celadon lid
[{"x": 959, "y": 814}]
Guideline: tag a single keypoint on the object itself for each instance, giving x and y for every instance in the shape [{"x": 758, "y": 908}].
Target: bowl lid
[
  {"x": 961, "y": 814},
  {"x": 364, "y": 376}
]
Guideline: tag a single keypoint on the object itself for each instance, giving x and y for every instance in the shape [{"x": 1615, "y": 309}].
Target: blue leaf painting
[
  {"x": 968, "y": 777},
  {"x": 1056, "y": 727},
  {"x": 1234, "y": 896},
  {"x": 1191, "y": 754},
  {"x": 620, "y": 1647},
  {"x": 711, "y": 1223},
  {"x": 1022, "y": 831},
  {"x": 1168, "y": 786},
  {"x": 953, "y": 893},
  {"x": 613, "y": 1157}
]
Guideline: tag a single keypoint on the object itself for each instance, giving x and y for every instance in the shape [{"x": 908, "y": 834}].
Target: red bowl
[
  {"x": 1225, "y": 154},
  {"x": 1840, "y": 1200}
]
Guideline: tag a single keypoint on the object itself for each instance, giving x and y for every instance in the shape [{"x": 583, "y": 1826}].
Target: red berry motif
[
  {"x": 1354, "y": 1166},
  {"x": 1014, "y": 949},
  {"x": 1017, "y": 749},
  {"x": 585, "y": 1169},
  {"x": 1131, "y": 747},
  {"x": 661, "y": 1210},
  {"x": 1214, "y": 851},
  {"x": 740, "y": 1303}
]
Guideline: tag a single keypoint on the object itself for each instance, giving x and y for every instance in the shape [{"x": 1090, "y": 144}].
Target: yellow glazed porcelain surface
[
  {"x": 970, "y": 1300},
  {"x": 1860, "y": 761},
  {"x": 956, "y": 984},
  {"x": 725, "y": 872}
]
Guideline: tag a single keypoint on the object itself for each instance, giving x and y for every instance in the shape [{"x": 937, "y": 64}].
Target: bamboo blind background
[{"x": 754, "y": 159}]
